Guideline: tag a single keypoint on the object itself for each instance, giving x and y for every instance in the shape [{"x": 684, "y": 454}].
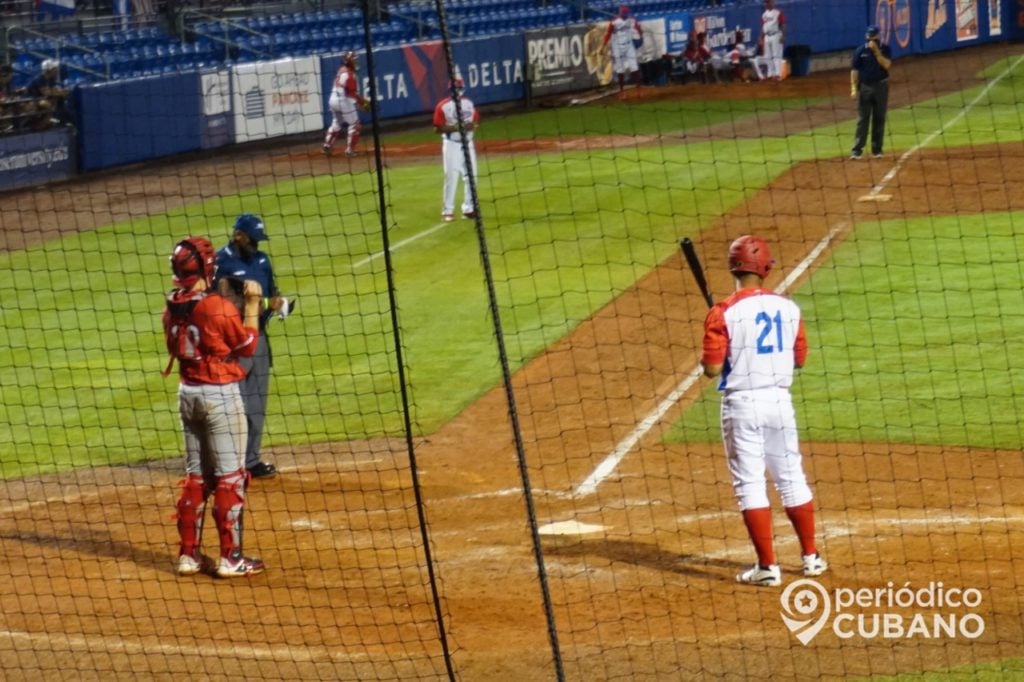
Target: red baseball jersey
[
  {"x": 445, "y": 115},
  {"x": 759, "y": 336},
  {"x": 213, "y": 340}
]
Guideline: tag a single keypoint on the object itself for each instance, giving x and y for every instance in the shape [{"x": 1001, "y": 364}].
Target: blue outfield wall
[
  {"x": 135, "y": 120},
  {"x": 129, "y": 121}
]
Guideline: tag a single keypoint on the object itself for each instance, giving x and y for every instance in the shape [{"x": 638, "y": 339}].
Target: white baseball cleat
[
  {"x": 814, "y": 565},
  {"x": 447, "y": 217},
  {"x": 761, "y": 576},
  {"x": 238, "y": 566},
  {"x": 188, "y": 564}
]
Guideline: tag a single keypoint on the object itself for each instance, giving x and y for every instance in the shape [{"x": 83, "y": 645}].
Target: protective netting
[{"x": 496, "y": 454}]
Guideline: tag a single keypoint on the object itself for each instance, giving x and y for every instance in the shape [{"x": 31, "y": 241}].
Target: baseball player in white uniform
[
  {"x": 740, "y": 55},
  {"x": 772, "y": 25},
  {"x": 754, "y": 340},
  {"x": 446, "y": 122},
  {"x": 624, "y": 32},
  {"x": 344, "y": 104}
]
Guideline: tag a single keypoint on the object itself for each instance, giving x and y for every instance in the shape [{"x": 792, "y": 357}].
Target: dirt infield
[{"x": 641, "y": 569}]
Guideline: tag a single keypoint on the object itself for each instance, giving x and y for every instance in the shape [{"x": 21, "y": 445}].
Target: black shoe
[{"x": 263, "y": 470}]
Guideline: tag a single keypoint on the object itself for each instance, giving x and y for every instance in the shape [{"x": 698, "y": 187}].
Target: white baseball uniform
[
  {"x": 445, "y": 116},
  {"x": 759, "y": 336},
  {"x": 740, "y": 52},
  {"x": 622, "y": 31},
  {"x": 772, "y": 23},
  {"x": 344, "y": 102}
]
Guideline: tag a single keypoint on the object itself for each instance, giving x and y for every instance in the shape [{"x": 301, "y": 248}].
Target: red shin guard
[
  {"x": 191, "y": 507},
  {"x": 228, "y": 501}
]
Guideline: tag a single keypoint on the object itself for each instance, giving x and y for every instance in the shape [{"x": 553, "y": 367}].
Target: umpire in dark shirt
[
  {"x": 869, "y": 85},
  {"x": 240, "y": 260}
]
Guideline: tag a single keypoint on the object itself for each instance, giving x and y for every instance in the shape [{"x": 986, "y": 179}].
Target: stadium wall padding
[
  {"x": 36, "y": 158},
  {"x": 134, "y": 120}
]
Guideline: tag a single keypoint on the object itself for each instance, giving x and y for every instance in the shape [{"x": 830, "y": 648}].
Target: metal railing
[
  {"x": 190, "y": 18},
  {"x": 61, "y": 48}
]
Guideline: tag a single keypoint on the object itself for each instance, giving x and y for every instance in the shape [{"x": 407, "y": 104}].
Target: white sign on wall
[
  {"x": 276, "y": 98},
  {"x": 216, "y": 92}
]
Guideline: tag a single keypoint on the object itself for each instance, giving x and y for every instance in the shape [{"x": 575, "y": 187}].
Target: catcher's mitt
[{"x": 365, "y": 106}]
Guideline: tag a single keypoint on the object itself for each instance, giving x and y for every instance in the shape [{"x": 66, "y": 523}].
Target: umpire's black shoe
[{"x": 263, "y": 470}]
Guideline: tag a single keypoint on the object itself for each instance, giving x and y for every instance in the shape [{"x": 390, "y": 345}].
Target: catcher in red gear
[
  {"x": 344, "y": 101},
  {"x": 207, "y": 334}
]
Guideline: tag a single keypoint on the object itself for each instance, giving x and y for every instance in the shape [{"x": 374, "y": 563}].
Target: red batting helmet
[
  {"x": 750, "y": 254},
  {"x": 457, "y": 86},
  {"x": 191, "y": 259}
]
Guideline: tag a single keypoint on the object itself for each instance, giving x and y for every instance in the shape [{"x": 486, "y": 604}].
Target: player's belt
[{"x": 771, "y": 33}]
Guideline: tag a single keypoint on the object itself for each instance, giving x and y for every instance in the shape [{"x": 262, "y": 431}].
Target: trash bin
[{"x": 799, "y": 57}]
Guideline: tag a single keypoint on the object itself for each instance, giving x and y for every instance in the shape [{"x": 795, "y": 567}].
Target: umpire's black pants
[
  {"x": 872, "y": 105},
  {"x": 255, "y": 389}
]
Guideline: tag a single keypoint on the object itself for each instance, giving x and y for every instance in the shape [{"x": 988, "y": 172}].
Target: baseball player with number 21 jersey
[{"x": 754, "y": 340}]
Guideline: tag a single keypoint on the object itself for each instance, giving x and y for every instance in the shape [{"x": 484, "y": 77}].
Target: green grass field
[{"x": 81, "y": 348}]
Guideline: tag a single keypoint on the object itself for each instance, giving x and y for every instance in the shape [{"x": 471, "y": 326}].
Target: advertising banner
[
  {"x": 217, "y": 121},
  {"x": 413, "y": 78},
  {"x": 995, "y": 18},
  {"x": 568, "y": 58},
  {"x": 276, "y": 98},
  {"x": 677, "y": 31},
  {"x": 966, "y": 20},
  {"x": 36, "y": 158}
]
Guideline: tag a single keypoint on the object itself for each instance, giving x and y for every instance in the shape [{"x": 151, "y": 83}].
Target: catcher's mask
[
  {"x": 750, "y": 254},
  {"x": 349, "y": 59},
  {"x": 192, "y": 258}
]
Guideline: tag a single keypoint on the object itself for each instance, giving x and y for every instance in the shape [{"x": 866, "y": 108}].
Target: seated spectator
[
  {"x": 12, "y": 106},
  {"x": 6, "y": 76},
  {"x": 707, "y": 58},
  {"x": 49, "y": 98},
  {"x": 745, "y": 62},
  {"x": 695, "y": 60}
]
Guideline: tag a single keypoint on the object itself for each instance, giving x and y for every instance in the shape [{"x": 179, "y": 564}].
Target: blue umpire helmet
[
  {"x": 252, "y": 225},
  {"x": 873, "y": 32}
]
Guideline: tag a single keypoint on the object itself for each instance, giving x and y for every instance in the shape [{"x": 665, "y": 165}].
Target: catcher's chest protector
[{"x": 182, "y": 335}]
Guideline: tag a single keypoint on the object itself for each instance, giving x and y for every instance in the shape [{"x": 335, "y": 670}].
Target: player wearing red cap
[
  {"x": 624, "y": 33},
  {"x": 206, "y": 334},
  {"x": 754, "y": 340},
  {"x": 344, "y": 103},
  {"x": 446, "y": 122}
]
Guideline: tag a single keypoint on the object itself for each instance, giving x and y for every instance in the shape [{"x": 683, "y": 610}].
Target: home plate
[
  {"x": 569, "y": 528},
  {"x": 875, "y": 197}
]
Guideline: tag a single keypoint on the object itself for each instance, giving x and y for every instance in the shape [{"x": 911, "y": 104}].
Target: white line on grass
[
  {"x": 613, "y": 459},
  {"x": 610, "y": 462},
  {"x": 894, "y": 171},
  {"x": 397, "y": 245}
]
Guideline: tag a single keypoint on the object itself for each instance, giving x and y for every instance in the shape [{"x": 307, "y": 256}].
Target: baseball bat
[{"x": 696, "y": 268}]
